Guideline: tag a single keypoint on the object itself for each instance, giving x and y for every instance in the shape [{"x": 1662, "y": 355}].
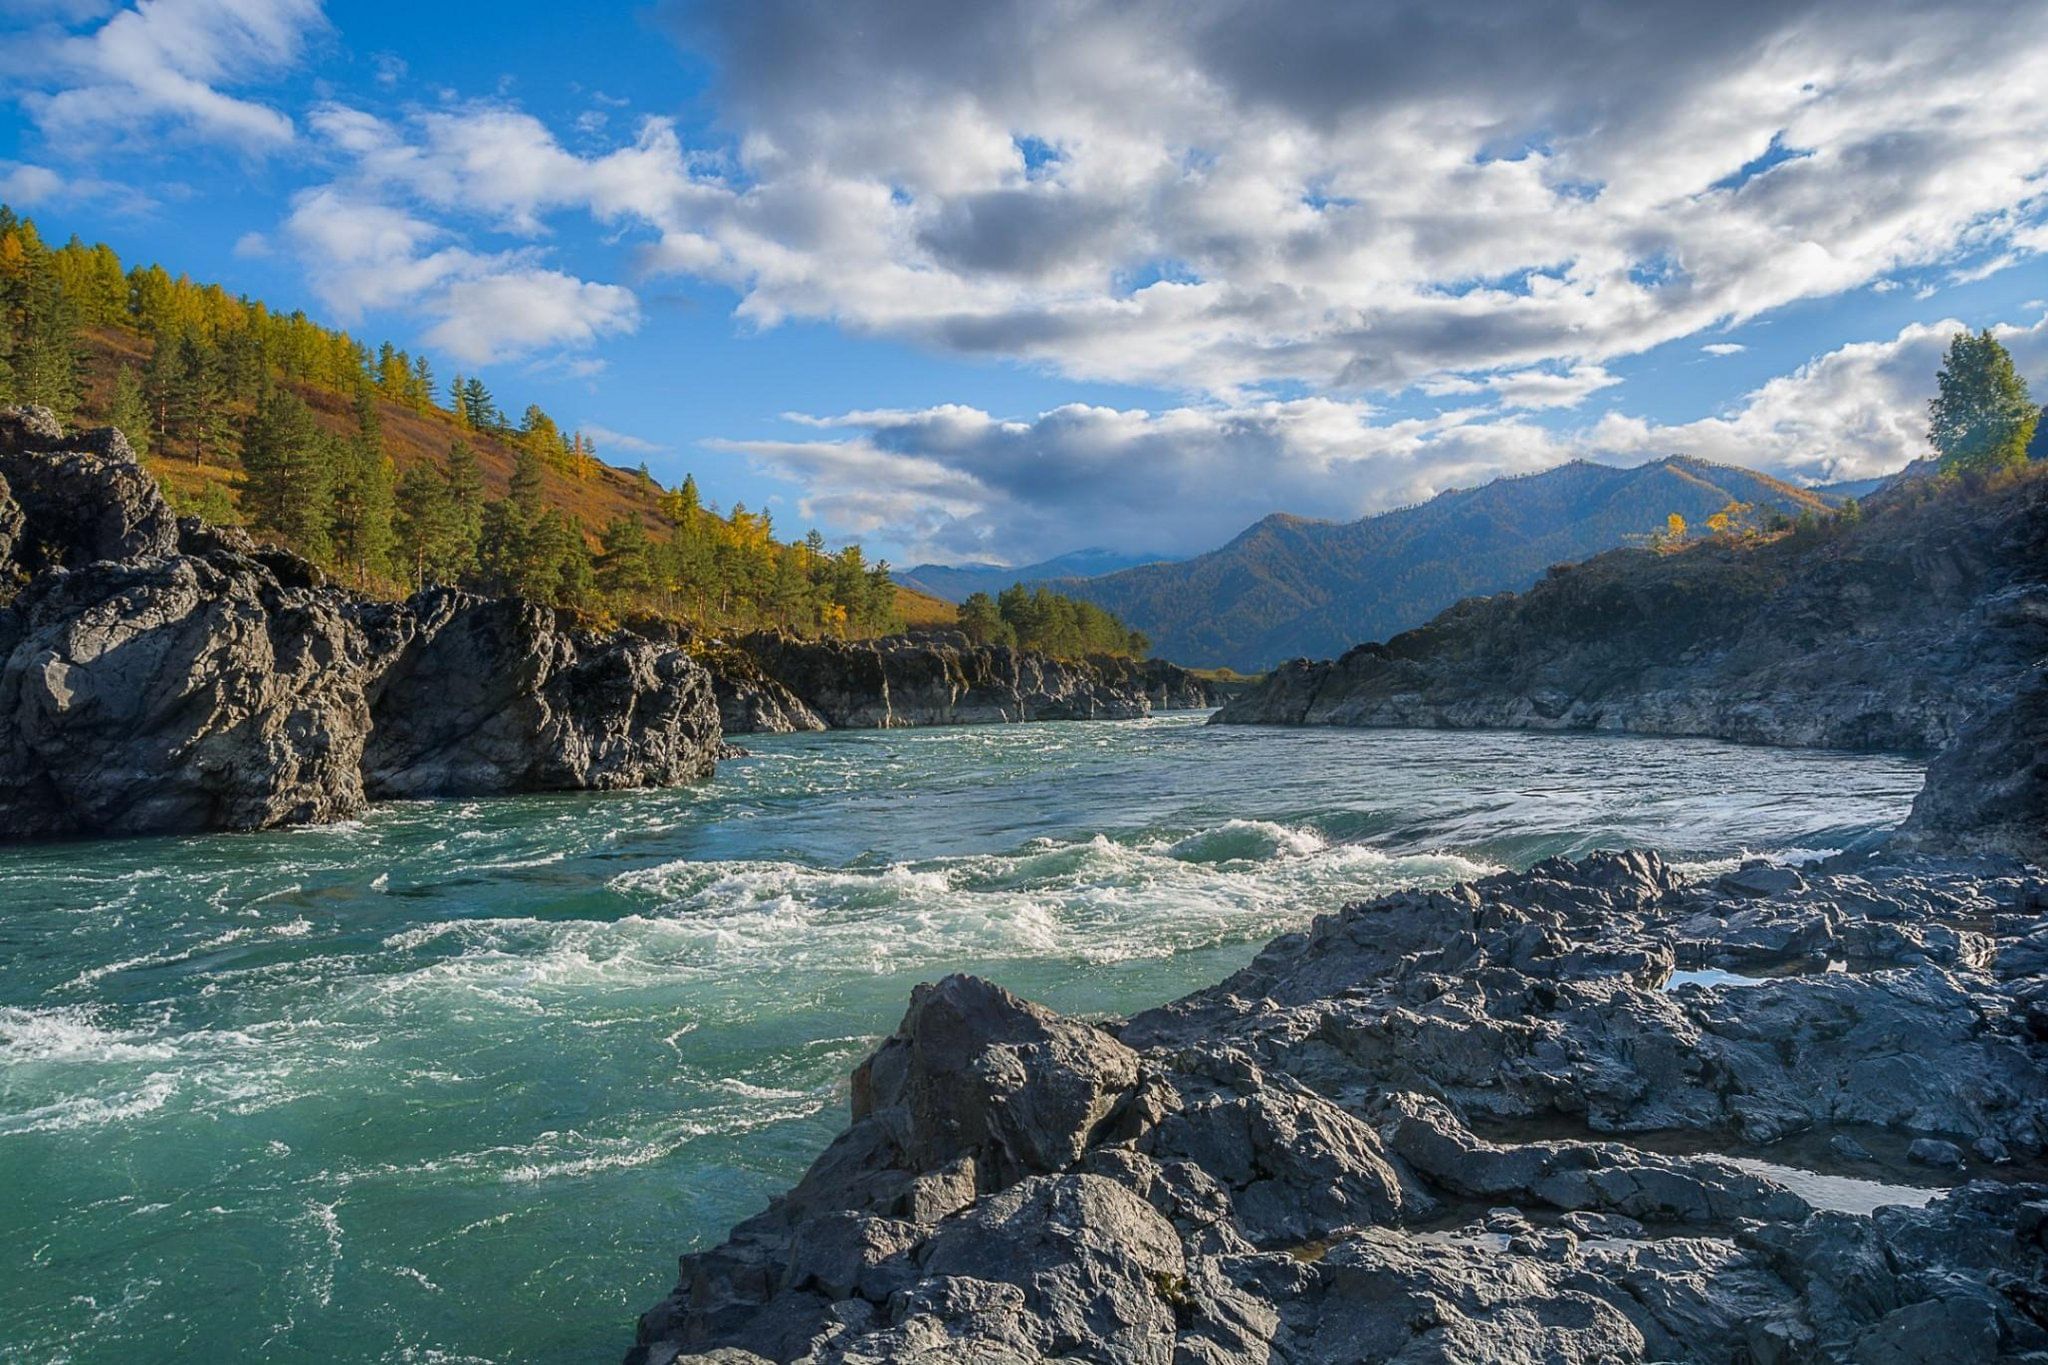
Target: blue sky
[{"x": 1014, "y": 280}]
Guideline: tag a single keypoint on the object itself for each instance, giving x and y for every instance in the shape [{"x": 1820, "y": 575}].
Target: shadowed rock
[
  {"x": 166, "y": 677},
  {"x": 1887, "y": 634},
  {"x": 1463, "y": 1125},
  {"x": 932, "y": 678}
]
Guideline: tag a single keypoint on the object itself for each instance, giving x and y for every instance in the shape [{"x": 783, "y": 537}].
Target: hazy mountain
[
  {"x": 955, "y": 582},
  {"x": 1290, "y": 586}
]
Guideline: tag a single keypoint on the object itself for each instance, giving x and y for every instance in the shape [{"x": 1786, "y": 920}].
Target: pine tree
[
  {"x": 129, "y": 410},
  {"x": 44, "y": 359},
  {"x": 625, "y": 567},
  {"x": 982, "y": 623},
  {"x": 287, "y": 457},
  {"x": 426, "y": 528},
  {"x": 480, "y": 411},
  {"x": 363, "y": 496},
  {"x": 422, "y": 393},
  {"x": 466, "y": 498},
  {"x": 457, "y": 407},
  {"x": 1981, "y": 419},
  {"x": 187, "y": 397}
]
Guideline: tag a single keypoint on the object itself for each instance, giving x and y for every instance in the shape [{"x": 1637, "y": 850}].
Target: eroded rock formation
[
  {"x": 1889, "y": 633},
  {"x": 1468, "y": 1125},
  {"x": 167, "y": 677},
  {"x": 775, "y": 683}
]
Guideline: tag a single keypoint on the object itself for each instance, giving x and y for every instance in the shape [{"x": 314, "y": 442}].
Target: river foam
[{"x": 436, "y": 1083}]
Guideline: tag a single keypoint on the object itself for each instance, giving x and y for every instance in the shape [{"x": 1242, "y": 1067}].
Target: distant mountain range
[
  {"x": 1289, "y": 586},
  {"x": 956, "y": 582}
]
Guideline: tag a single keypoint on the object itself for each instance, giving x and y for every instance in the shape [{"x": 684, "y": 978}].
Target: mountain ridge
[
  {"x": 956, "y": 582},
  {"x": 1289, "y": 586}
]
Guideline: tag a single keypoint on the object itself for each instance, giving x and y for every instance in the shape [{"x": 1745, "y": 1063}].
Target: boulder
[
  {"x": 1988, "y": 792},
  {"x": 482, "y": 696}
]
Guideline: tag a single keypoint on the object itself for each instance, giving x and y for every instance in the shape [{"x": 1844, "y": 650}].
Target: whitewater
[{"x": 455, "y": 1081}]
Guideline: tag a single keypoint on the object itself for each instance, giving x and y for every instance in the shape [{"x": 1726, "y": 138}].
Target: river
[{"x": 456, "y": 1081}]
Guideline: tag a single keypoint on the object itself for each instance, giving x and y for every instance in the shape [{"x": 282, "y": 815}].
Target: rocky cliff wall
[
  {"x": 1886, "y": 634},
  {"x": 776, "y": 683},
  {"x": 168, "y": 677}
]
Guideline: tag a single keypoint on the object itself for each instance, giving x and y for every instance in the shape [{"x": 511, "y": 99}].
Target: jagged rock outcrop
[
  {"x": 931, "y": 678},
  {"x": 1888, "y": 633},
  {"x": 78, "y": 499},
  {"x": 475, "y": 696},
  {"x": 1988, "y": 792},
  {"x": 1476, "y": 1124},
  {"x": 168, "y": 677},
  {"x": 749, "y": 701},
  {"x": 177, "y": 693}
]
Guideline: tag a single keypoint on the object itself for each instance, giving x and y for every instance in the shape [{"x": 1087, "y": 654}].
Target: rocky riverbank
[
  {"x": 166, "y": 676},
  {"x": 1518, "y": 1120},
  {"x": 1592, "y": 1112},
  {"x": 1884, "y": 633},
  {"x": 770, "y": 683}
]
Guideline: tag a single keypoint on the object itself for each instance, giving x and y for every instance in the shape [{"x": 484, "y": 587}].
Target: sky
[{"x": 1006, "y": 280}]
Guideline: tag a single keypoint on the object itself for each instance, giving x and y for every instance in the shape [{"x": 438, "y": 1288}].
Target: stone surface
[
  {"x": 477, "y": 696},
  {"x": 167, "y": 677},
  {"x": 1461, "y": 1125},
  {"x": 1988, "y": 792},
  {"x": 930, "y": 678}
]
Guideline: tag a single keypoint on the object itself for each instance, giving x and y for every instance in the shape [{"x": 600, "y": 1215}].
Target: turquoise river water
[{"x": 456, "y": 1081}]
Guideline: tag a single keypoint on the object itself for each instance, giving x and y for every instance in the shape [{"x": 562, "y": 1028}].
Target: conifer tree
[
  {"x": 43, "y": 355},
  {"x": 625, "y": 567},
  {"x": 186, "y": 396},
  {"x": 466, "y": 498},
  {"x": 129, "y": 410},
  {"x": 425, "y": 527},
  {"x": 422, "y": 394},
  {"x": 287, "y": 457},
  {"x": 363, "y": 495}
]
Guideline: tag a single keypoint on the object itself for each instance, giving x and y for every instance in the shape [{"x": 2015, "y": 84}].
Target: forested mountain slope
[
  {"x": 1290, "y": 586},
  {"x": 360, "y": 459}
]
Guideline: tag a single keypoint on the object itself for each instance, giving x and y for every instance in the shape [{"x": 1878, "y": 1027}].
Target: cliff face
[
  {"x": 771, "y": 683},
  {"x": 167, "y": 677},
  {"x": 1988, "y": 791},
  {"x": 1886, "y": 634}
]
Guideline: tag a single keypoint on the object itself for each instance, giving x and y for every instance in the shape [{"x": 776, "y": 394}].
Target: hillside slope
[
  {"x": 1884, "y": 631},
  {"x": 1290, "y": 586},
  {"x": 412, "y": 437}
]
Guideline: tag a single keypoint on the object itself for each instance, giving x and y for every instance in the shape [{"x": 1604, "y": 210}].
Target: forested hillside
[
  {"x": 1289, "y": 586},
  {"x": 362, "y": 460}
]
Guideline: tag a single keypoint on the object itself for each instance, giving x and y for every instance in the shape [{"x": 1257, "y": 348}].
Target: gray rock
[
  {"x": 159, "y": 677},
  {"x": 83, "y": 498},
  {"x": 931, "y": 678},
  {"x": 974, "y": 1072},
  {"x": 172, "y": 695},
  {"x": 1934, "y": 1152},
  {"x": 1362, "y": 1147},
  {"x": 749, "y": 701},
  {"x": 1988, "y": 792},
  {"x": 480, "y": 696}
]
